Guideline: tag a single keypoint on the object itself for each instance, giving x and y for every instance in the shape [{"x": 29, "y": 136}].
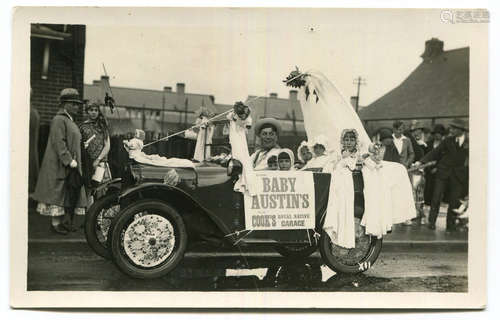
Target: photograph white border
[{"x": 21, "y": 298}]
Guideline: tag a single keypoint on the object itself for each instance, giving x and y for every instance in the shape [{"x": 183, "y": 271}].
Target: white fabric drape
[
  {"x": 327, "y": 112},
  {"x": 205, "y": 135},
  {"x": 239, "y": 151}
]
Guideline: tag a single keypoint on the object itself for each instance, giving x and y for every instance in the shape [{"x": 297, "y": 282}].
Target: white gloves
[{"x": 73, "y": 163}]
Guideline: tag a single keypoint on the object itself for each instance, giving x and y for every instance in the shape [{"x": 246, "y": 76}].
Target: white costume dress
[{"x": 387, "y": 190}]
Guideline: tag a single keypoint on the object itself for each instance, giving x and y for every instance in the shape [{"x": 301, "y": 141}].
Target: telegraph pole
[{"x": 358, "y": 81}]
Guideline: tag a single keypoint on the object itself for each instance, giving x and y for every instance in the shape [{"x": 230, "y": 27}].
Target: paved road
[{"x": 74, "y": 266}]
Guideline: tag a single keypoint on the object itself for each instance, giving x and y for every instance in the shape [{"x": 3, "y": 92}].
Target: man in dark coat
[
  {"x": 452, "y": 172},
  {"x": 438, "y": 134}
]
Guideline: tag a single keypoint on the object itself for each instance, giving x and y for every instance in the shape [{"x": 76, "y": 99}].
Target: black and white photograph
[{"x": 258, "y": 157}]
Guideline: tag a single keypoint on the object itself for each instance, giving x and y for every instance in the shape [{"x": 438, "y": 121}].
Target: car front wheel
[{"x": 148, "y": 239}]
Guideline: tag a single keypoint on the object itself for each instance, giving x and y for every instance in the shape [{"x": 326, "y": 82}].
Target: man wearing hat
[
  {"x": 438, "y": 134},
  {"x": 452, "y": 172},
  {"x": 268, "y": 130},
  {"x": 57, "y": 197}
]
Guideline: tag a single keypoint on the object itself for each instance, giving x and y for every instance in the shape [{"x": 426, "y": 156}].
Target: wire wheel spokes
[{"x": 149, "y": 240}]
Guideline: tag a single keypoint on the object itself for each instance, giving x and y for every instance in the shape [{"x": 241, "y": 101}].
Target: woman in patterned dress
[{"x": 96, "y": 145}]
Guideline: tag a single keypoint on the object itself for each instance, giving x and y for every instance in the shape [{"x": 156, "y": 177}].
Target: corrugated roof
[{"x": 438, "y": 87}]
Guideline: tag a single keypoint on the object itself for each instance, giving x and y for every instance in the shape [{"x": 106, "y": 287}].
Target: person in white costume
[
  {"x": 322, "y": 154},
  {"x": 387, "y": 189},
  {"x": 239, "y": 123},
  {"x": 205, "y": 132},
  {"x": 304, "y": 155}
]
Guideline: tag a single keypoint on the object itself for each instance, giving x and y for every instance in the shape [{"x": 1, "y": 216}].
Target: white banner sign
[{"x": 283, "y": 200}]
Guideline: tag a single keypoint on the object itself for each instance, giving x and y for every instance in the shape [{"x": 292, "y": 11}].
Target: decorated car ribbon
[{"x": 216, "y": 116}]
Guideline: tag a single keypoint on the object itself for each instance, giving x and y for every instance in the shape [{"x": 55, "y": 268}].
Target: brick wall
[{"x": 65, "y": 69}]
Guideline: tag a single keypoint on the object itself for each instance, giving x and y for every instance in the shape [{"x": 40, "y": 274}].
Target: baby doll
[
  {"x": 285, "y": 160},
  {"x": 134, "y": 146}
]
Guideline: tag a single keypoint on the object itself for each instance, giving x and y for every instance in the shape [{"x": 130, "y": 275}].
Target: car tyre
[
  {"x": 148, "y": 239},
  {"x": 341, "y": 264},
  {"x": 97, "y": 223}
]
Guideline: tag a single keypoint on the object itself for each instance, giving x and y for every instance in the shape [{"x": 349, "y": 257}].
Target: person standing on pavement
[
  {"x": 403, "y": 144},
  {"x": 452, "y": 172},
  {"x": 34, "y": 164},
  {"x": 57, "y": 197},
  {"x": 96, "y": 145},
  {"x": 438, "y": 134}
]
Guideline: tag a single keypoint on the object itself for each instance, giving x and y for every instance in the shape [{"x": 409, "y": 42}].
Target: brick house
[{"x": 57, "y": 61}]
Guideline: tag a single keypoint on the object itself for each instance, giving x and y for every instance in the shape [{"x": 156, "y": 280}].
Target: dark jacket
[
  {"x": 451, "y": 159},
  {"x": 391, "y": 154}
]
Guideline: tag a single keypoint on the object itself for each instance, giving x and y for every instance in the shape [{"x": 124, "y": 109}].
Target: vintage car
[
  {"x": 149, "y": 218},
  {"x": 148, "y": 226}
]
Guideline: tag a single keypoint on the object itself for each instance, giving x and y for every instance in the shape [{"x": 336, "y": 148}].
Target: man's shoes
[
  {"x": 431, "y": 226},
  {"x": 451, "y": 229},
  {"x": 59, "y": 229}
]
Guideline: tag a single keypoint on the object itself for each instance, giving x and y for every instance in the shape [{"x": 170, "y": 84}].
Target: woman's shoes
[{"x": 59, "y": 229}]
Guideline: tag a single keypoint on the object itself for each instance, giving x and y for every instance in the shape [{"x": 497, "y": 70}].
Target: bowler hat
[
  {"x": 70, "y": 95},
  {"x": 439, "y": 128},
  {"x": 266, "y": 122},
  {"x": 385, "y": 133},
  {"x": 460, "y": 124}
]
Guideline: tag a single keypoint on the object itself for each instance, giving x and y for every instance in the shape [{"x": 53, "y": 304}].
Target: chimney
[
  {"x": 354, "y": 99},
  {"x": 273, "y": 95},
  {"x": 433, "y": 48},
  {"x": 180, "y": 88},
  {"x": 167, "y": 89},
  {"x": 292, "y": 95}
]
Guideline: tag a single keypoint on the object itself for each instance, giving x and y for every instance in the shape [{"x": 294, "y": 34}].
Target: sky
[{"x": 233, "y": 53}]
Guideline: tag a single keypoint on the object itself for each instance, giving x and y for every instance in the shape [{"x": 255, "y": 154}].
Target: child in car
[
  {"x": 285, "y": 160},
  {"x": 272, "y": 163},
  {"x": 304, "y": 155}
]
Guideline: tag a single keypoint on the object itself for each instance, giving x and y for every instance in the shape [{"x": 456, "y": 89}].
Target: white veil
[{"x": 326, "y": 112}]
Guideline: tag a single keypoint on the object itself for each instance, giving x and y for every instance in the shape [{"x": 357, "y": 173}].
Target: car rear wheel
[
  {"x": 98, "y": 221},
  {"x": 148, "y": 239},
  {"x": 355, "y": 260}
]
